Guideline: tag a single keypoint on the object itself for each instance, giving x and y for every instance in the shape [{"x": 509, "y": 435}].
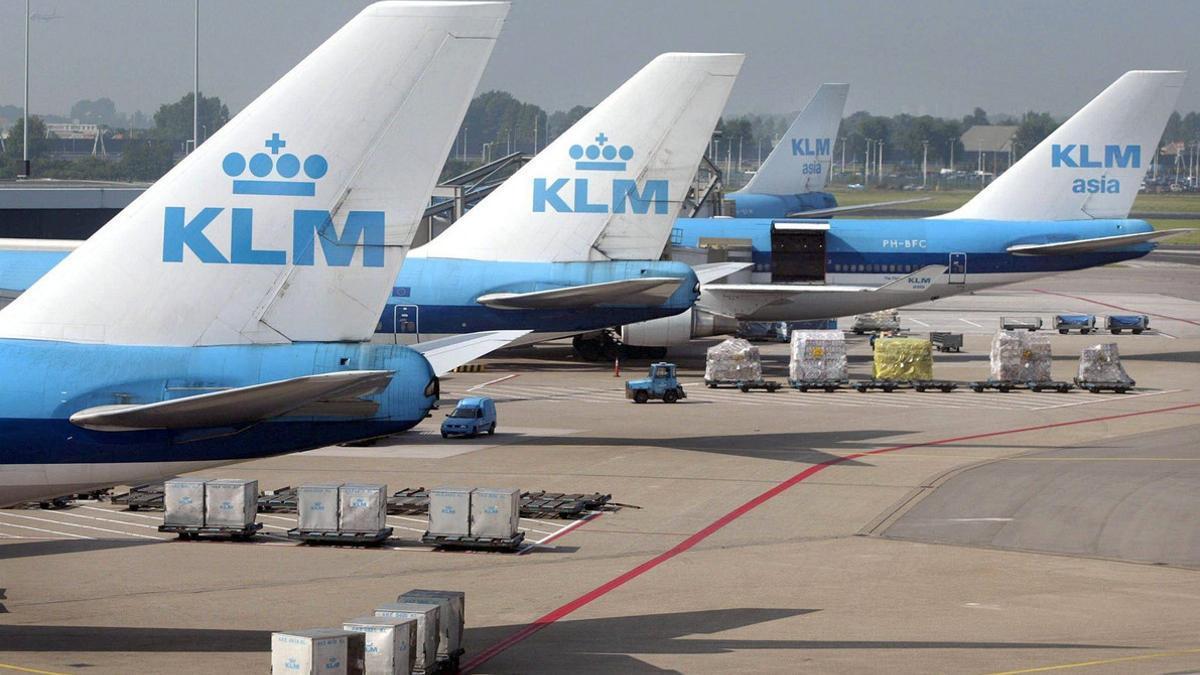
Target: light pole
[
  {"x": 25, "y": 121},
  {"x": 867, "y": 163},
  {"x": 952, "y": 155},
  {"x": 924, "y": 163},
  {"x": 843, "y": 157},
  {"x": 196, "y": 80},
  {"x": 879, "y": 166}
]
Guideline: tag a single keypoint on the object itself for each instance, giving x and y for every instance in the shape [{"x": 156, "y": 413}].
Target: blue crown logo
[
  {"x": 601, "y": 156},
  {"x": 286, "y": 166}
]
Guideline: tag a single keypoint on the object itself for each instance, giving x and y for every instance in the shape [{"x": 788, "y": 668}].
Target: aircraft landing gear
[{"x": 605, "y": 346}]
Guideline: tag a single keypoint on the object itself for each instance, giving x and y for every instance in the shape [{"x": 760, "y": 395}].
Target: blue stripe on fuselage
[{"x": 861, "y": 246}]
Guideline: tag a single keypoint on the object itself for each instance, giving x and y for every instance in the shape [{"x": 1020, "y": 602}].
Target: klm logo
[
  {"x": 1086, "y": 157},
  {"x": 286, "y": 166},
  {"x": 275, "y": 175},
  {"x": 810, "y": 147},
  {"x": 555, "y": 195}
]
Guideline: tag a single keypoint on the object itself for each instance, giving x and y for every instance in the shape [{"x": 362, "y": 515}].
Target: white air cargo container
[
  {"x": 183, "y": 499},
  {"x": 317, "y": 507},
  {"x": 495, "y": 512},
  {"x": 428, "y": 618},
  {"x": 362, "y": 508},
  {"x": 390, "y": 643},
  {"x": 230, "y": 502},
  {"x": 324, "y": 650},
  {"x": 451, "y": 616},
  {"x": 450, "y": 512}
]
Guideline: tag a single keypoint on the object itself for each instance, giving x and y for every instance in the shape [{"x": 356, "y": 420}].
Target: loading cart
[
  {"x": 1096, "y": 387},
  {"x": 1005, "y": 386},
  {"x": 1084, "y": 323},
  {"x": 1135, "y": 323},
  {"x": 823, "y": 385},
  {"x": 475, "y": 543},
  {"x": 946, "y": 341},
  {"x": 340, "y": 537},
  {"x": 946, "y": 386},
  {"x": 1029, "y": 323},
  {"x": 213, "y": 531},
  {"x": 744, "y": 385}
]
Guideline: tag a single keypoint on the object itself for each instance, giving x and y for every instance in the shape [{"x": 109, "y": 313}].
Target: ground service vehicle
[
  {"x": 661, "y": 383},
  {"x": 469, "y": 417}
]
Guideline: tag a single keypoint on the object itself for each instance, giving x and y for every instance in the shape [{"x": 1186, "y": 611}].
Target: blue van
[{"x": 471, "y": 416}]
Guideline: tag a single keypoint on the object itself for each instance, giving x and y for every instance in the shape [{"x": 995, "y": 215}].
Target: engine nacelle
[{"x": 678, "y": 329}]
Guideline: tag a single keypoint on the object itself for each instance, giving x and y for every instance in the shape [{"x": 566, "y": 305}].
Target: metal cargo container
[
  {"x": 450, "y": 511},
  {"x": 452, "y": 616},
  {"x": 428, "y": 624},
  {"x": 389, "y": 643},
  {"x": 230, "y": 502},
  {"x": 495, "y": 512},
  {"x": 362, "y": 508},
  {"x": 322, "y": 650},
  {"x": 183, "y": 500},
  {"x": 317, "y": 507}
]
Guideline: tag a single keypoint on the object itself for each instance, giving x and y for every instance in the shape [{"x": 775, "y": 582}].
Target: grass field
[{"x": 951, "y": 199}]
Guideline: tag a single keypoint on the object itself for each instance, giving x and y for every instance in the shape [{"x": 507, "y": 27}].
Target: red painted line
[
  {"x": 1123, "y": 309},
  {"x": 566, "y": 530},
  {"x": 713, "y": 527}
]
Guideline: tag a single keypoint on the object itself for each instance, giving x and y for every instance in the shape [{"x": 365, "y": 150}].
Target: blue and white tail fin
[
  {"x": 611, "y": 186},
  {"x": 1092, "y": 165},
  {"x": 800, "y": 162},
  {"x": 291, "y": 222}
]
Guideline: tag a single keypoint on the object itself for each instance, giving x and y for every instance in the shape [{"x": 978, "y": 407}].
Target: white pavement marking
[
  {"x": 105, "y": 520},
  {"x": 1101, "y": 398},
  {"x": 561, "y": 531},
  {"x": 918, "y": 322},
  {"x": 38, "y": 529},
  {"x": 971, "y": 323},
  {"x": 498, "y": 379},
  {"x": 124, "y": 513},
  {"x": 86, "y": 527},
  {"x": 979, "y": 520}
]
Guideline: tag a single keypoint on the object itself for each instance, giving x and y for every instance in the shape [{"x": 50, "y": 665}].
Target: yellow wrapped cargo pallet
[{"x": 903, "y": 359}]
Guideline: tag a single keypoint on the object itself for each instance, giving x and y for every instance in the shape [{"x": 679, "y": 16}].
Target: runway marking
[
  {"x": 38, "y": 529},
  {"x": 1123, "y": 309},
  {"x": 687, "y": 544},
  {"x": 21, "y": 669},
  {"x": 1101, "y": 662},
  {"x": 971, "y": 323},
  {"x": 87, "y": 527},
  {"x": 498, "y": 379}
]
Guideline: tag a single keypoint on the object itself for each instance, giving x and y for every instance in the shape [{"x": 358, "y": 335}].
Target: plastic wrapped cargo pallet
[
  {"x": 230, "y": 502},
  {"x": 495, "y": 512},
  {"x": 317, "y": 507},
  {"x": 362, "y": 508},
  {"x": 183, "y": 501},
  {"x": 817, "y": 355},
  {"x": 1102, "y": 364},
  {"x": 323, "y": 650},
  {"x": 903, "y": 359},
  {"x": 734, "y": 360},
  {"x": 390, "y": 643},
  {"x": 450, "y": 511},
  {"x": 883, "y": 320},
  {"x": 452, "y": 615},
  {"x": 1020, "y": 356},
  {"x": 428, "y": 618}
]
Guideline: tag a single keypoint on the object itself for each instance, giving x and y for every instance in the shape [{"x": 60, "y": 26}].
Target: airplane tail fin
[
  {"x": 611, "y": 186},
  {"x": 290, "y": 223},
  {"x": 1092, "y": 165},
  {"x": 800, "y": 162}
]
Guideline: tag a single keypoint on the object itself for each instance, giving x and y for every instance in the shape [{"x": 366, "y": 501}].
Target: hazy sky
[{"x": 941, "y": 57}]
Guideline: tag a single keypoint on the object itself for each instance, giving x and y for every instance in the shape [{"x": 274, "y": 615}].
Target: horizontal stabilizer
[
  {"x": 648, "y": 291},
  {"x": 836, "y": 210},
  {"x": 235, "y": 407},
  {"x": 449, "y": 353},
  {"x": 1094, "y": 244},
  {"x": 57, "y": 245},
  {"x": 709, "y": 272}
]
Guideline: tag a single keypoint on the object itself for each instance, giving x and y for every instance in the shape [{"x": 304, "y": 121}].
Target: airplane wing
[
  {"x": 451, "y": 352},
  {"x": 713, "y": 271},
  {"x": 740, "y": 299},
  {"x": 65, "y": 245},
  {"x": 1094, "y": 244},
  {"x": 817, "y": 213},
  {"x": 241, "y": 405},
  {"x": 651, "y": 291}
]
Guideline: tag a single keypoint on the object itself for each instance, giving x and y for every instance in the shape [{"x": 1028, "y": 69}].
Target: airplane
[
  {"x": 1063, "y": 206},
  {"x": 570, "y": 243},
  {"x": 224, "y": 314}
]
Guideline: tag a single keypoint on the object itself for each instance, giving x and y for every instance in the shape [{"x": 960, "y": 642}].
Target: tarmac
[{"x": 756, "y": 532}]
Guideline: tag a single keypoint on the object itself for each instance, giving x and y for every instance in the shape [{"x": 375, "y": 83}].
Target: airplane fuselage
[
  {"x": 43, "y": 453},
  {"x": 755, "y": 205}
]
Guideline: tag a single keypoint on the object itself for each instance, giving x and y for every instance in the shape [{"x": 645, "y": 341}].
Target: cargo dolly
[
  {"x": 474, "y": 543},
  {"x": 946, "y": 386},
  {"x": 744, "y": 385},
  {"x": 217, "y": 531},
  {"x": 946, "y": 342},
  {"x": 885, "y": 385},
  {"x": 826, "y": 385},
  {"x": 1096, "y": 387},
  {"x": 147, "y": 496},
  {"x": 1084, "y": 323},
  {"x": 340, "y": 537},
  {"x": 1005, "y": 386},
  {"x": 538, "y": 504},
  {"x": 1136, "y": 323}
]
